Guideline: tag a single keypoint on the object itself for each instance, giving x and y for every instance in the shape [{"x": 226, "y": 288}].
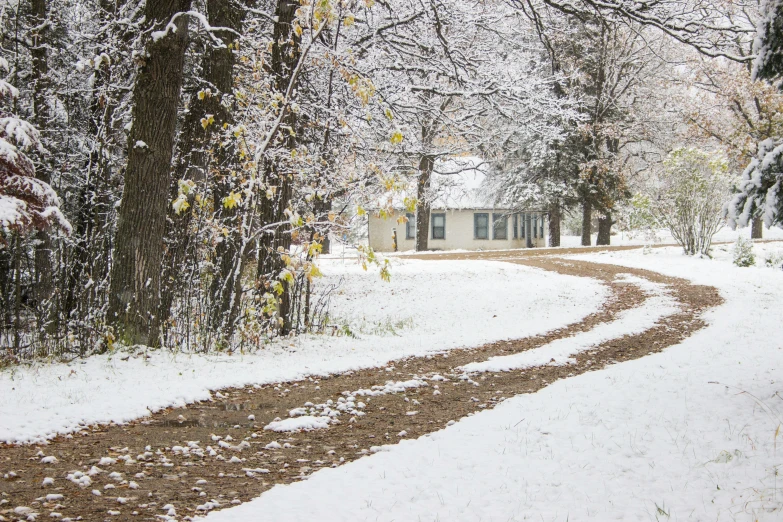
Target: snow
[
  {"x": 304, "y": 423},
  {"x": 11, "y": 210},
  {"x": 415, "y": 314},
  {"x": 662, "y": 237},
  {"x": 391, "y": 387},
  {"x": 562, "y": 351},
  {"x": 725, "y": 234},
  {"x": 689, "y": 433}
]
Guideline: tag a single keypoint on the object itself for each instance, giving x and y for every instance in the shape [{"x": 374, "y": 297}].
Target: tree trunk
[
  {"x": 285, "y": 55},
  {"x": 604, "y": 230},
  {"x": 587, "y": 214},
  {"x": 757, "y": 229},
  {"x": 134, "y": 293},
  {"x": 196, "y": 163},
  {"x": 555, "y": 215},
  {"x": 44, "y": 266},
  {"x": 423, "y": 208},
  {"x": 322, "y": 207}
]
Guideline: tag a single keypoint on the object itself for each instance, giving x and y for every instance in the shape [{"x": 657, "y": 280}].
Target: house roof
[
  {"x": 455, "y": 184},
  {"x": 460, "y": 183}
]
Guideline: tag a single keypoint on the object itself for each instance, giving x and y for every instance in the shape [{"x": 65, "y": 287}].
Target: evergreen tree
[{"x": 761, "y": 188}]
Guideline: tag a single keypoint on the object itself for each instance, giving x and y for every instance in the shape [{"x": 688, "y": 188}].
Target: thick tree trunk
[
  {"x": 555, "y": 215},
  {"x": 285, "y": 55},
  {"x": 604, "y": 230},
  {"x": 196, "y": 162},
  {"x": 134, "y": 293},
  {"x": 219, "y": 70},
  {"x": 44, "y": 265},
  {"x": 426, "y": 164},
  {"x": 757, "y": 229},
  {"x": 587, "y": 215}
]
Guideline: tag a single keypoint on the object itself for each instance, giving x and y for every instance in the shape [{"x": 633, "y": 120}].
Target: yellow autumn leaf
[
  {"x": 180, "y": 204},
  {"x": 360, "y": 211},
  {"x": 396, "y": 137},
  {"x": 314, "y": 271},
  {"x": 232, "y": 200},
  {"x": 207, "y": 120}
]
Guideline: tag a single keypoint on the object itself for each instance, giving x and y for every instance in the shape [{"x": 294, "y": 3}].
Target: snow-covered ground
[
  {"x": 427, "y": 307},
  {"x": 686, "y": 434},
  {"x": 663, "y": 236}
]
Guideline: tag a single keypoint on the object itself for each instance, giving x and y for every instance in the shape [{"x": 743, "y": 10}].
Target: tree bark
[
  {"x": 426, "y": 164},
  {"x": 226, "y": 287},
  {"x": 196, "y": 162},
  {"x": 555, "y": 215},
  {"x": 134, "y": 292},
  {"x": 757, "y": 229},
  {"x": 604, "y": 230},
  {"x": 285, "y": 55},
  {"x": 322, "y": 207},
  {"x": 587, "y": 215}
]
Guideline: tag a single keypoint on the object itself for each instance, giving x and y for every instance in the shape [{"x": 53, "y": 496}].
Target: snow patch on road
[{"x": 304, "y": 423}]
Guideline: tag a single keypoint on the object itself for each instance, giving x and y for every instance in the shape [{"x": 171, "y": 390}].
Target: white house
[{"x": 462, "y": 216}]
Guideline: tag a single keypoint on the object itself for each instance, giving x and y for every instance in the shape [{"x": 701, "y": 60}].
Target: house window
[
  {"x": 410, "y": 227},
  {"x": 535, "y": 227},
  {"x": 438, "y": 226},
  {"x": 542, "y": 226},
  {"x": 499, "y": 226},
  {"x": 522, "y": 225},
  {"x": 516, "y": 230},
  {"x": 480, "y": 226}
]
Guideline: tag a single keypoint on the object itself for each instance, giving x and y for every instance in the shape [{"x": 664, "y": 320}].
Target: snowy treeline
[{"x": 170, "y": 171}]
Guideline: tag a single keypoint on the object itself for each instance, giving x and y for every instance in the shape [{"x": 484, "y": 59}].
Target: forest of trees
[{"x": 171, "y": 170}]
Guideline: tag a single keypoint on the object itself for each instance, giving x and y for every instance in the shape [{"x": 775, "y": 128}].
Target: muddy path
[{"x": 184, "y": 462}]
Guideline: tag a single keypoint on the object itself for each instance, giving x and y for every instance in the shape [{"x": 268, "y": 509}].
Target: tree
[
  {"x": 688, "y": 197},
  {"x": 760, "y": 187},
  {"x": 134, "y": 294},
  {"x": 26, "y": 203},
  {"x": 711, "y": 27},
  {"x": 444, "y": 99}
]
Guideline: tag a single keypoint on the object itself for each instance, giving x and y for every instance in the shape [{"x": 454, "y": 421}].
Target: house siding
[{"x": 459, "y": 233}]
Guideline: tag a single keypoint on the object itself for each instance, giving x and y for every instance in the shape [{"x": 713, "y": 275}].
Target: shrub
[
  {"x": 689, "y": 196},
  {"x": 743, "y": 252},
  {"x": 774, "y": 259}
]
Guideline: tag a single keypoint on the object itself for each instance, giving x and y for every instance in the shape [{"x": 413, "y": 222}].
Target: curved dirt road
[{"x": 184, "y": 462}]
